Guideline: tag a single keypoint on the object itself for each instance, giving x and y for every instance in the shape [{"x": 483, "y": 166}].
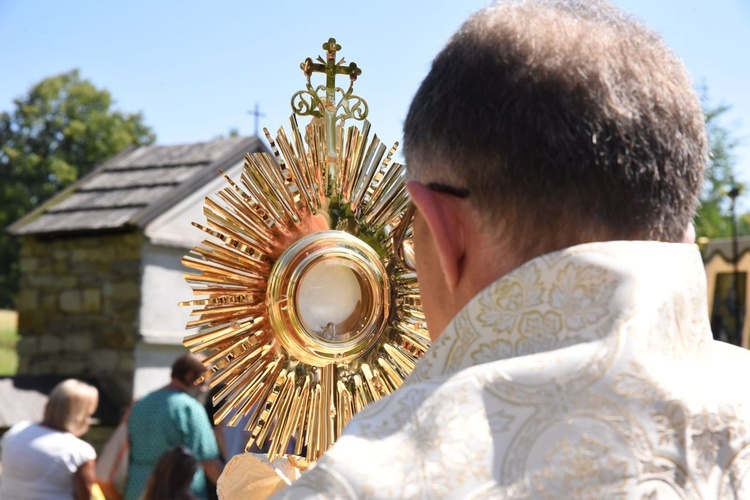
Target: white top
[
  {"x": 586, "y": 373},
  {"x": 39, "y": 462}
]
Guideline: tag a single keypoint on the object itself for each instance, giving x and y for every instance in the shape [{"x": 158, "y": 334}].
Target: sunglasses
[{"x": 404, "y": 246}]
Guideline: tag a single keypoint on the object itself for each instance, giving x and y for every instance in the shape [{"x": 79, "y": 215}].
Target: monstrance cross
[{"x": 331, "y": 68}]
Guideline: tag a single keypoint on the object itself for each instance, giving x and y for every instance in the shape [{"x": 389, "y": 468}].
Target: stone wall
[{"x": 78, "y": 308}]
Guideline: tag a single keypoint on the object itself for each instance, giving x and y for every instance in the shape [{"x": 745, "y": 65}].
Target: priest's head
[{"x": 542, "y": 125}]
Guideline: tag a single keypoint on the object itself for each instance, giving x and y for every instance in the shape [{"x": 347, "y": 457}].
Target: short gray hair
[{"x": 567, "y": 121}]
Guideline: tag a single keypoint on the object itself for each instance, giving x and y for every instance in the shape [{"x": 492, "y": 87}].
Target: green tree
[
  {"x": 713, "y": 219},
  {"x": 58, "y": 132}
]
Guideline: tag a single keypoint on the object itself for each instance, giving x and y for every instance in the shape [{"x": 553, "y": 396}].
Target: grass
[{"x": 8, "y": 340}]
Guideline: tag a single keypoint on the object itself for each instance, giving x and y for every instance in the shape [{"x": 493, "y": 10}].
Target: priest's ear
[
  {"x": 689, "y": 236},
  {"x": 443, "y": 219}
]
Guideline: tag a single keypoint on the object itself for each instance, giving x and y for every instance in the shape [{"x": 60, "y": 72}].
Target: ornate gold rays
[{"x": 305, "y": 313}]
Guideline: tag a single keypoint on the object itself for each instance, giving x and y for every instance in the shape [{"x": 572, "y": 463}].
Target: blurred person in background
[
  {"x": 48, "y": 460},
  {"x": 172, "y": 476},
  {"x": 169, "y": 417}
]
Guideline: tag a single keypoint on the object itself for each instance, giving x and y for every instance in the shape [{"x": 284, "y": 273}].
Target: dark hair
[
  {"x": 566, "y": 120},
  {"x": 187, "y": 364},
  {"x": 172, "y": 475}
]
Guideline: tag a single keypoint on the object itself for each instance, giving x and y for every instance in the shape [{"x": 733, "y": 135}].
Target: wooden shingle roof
[
  {"x": 725, "y": 248},
  {"x": 134, "y": 187}
]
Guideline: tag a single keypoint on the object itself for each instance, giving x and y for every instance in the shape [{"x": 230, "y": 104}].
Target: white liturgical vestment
[{"x": 586, "y": 373}]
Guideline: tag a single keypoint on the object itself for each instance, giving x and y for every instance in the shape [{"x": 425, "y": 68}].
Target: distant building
[
  {"x": 725, "y": 308},
  {"x": 100, "y": 265}
]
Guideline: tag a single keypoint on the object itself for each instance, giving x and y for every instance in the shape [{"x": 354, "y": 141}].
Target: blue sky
[{"x": 195, "y": 68}]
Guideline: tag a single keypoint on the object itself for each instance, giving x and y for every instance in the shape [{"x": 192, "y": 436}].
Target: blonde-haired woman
[{"x": 49, "y": 460}]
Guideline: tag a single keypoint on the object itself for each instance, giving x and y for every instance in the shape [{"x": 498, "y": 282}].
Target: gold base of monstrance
[{"x": 305, "y": 311}]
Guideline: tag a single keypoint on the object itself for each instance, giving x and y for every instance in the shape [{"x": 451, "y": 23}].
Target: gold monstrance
[{"x": 305, "y": 311}]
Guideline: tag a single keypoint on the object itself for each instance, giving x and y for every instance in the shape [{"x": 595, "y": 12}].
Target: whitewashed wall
[{"x": 162, "y": 321}]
